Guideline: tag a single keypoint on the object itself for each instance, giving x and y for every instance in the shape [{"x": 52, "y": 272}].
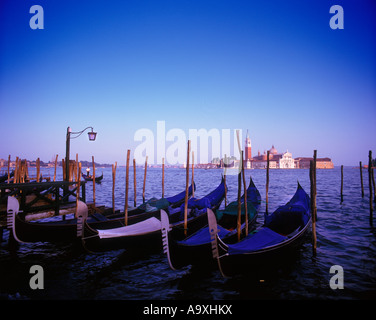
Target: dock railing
[{"x": 39, "y": 196}]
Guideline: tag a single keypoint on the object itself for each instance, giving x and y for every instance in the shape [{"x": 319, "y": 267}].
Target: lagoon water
[{"x": 345, "y": 237}]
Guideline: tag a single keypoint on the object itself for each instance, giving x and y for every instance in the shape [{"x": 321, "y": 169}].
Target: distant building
[
  {"x": 3, "y": 162},
  {"x": 276, "y": 160},
  {"x": 260, "y": 161},
  {"x": 286, "y": 161},
  {"x": 321, "y": 163},
  {"x": 281, "y": 160}
]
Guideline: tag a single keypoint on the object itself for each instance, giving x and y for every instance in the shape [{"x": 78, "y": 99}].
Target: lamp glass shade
[{"x": 92, "y": 135}]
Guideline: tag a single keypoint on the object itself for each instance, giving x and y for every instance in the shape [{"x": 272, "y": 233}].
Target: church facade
[{"x": 280, "y": 160}]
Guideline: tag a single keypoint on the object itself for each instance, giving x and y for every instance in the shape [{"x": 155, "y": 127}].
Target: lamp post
[{"x": 92, "y": 135}]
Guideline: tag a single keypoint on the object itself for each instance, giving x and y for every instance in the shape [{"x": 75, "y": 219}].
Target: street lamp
[{"x": 92, "y": 135}]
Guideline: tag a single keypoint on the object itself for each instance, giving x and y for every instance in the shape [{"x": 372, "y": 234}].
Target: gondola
[
  {"x": 283, "y": 231},
  {"x": 4, "y": 177},
  {"x": 58, "y": 230},
  {"x": 155, "y": 204},
  {"x": 145, "y": 235},
  {"x": 88, "y": 177},
  {"x": 197, "y": 247}
]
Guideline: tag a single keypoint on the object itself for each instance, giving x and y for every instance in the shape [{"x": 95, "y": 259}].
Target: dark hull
[
  {"x": 140, "y": 243},
  {"x": 152, "y": 240},
  {"x": 272, "y": 245},
  {"x": 4, "y": 177},
  {"x": 182, "y": 255},
  {"x": 273, "y": 257},
  {"x": 66, "y": 231},
  {"x": 35, "y": 232}
]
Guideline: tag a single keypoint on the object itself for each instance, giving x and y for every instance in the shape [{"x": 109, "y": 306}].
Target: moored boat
[
  {"x": 4, "y": 176},
  {"x": 88, "y": 177},
  {"x": 283, "y": 231},
  {"x": 155, "y": 204},
  {"x": 65, "y": 230},
  {"x": 196, "y": 248},
  {"x": 145, "y": 235}
]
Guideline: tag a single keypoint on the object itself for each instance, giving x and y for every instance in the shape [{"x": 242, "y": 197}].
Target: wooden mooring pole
[
  {"x": 75, "y": 168},
  {"x": 93, "y": 163},
  {"x": 238, "y": 225},
  {"x": 341, "y": 183},
  {"x": 64, "y": 170},
  {"x": 193, "y": 174},
  {"x": 113, "y": 186},
  {"x": 373, "y": 183},
  {"x": 224, "y": 177},
  {"x": 370, "y": 187},
  {"x": 78, "y": 187},
  {"x": 312, "y": 176},
  {"x": 126, "y": 188},
  {"x": 143, "y": 189},
  {"x": 245, "y": 197},
  {"x": 162, "y": 177},
  {"x": 38, "y": 169},
  {"x": 9, "y": 169},
  {"x": 361, "y": 177},
  {"x": 186, "y": 190},
  {"x": 134, "y": 183},
  {"x": 267, "y": 182},
  {"x": 55, "y": 167}
]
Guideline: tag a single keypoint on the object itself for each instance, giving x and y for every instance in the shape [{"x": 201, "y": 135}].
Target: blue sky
[{"x": 273, "y": 67}]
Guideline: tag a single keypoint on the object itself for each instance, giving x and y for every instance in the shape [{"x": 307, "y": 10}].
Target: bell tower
[{"x": 248, "y": 148}]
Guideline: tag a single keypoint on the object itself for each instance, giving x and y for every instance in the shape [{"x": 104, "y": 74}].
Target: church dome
[{"x": 273, "y": 150}]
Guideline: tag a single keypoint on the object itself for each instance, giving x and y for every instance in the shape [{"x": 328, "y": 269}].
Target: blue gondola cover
[
  {"x": 203, "y": 236},
  {"x": 253, "y": 242},
  {"x": 180, "y": 196}
]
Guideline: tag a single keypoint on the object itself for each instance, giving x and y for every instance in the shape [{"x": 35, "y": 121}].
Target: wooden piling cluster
[
  {"x": 371, "y": 184},
  {"x": 21, "y": 171},
  {"x": 126, "y": 205},
  {"x": 73, "y": 169},
  {"x": 41, "y": 200}
]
